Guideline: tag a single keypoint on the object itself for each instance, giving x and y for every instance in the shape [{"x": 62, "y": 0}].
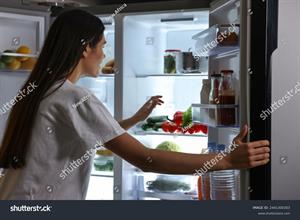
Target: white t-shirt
[{"x": 69, "y": 124}]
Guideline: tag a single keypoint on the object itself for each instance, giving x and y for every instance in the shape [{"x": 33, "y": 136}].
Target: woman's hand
[
  {"x": 143, "y": 113},
  {"x": 247, "y": 155}
]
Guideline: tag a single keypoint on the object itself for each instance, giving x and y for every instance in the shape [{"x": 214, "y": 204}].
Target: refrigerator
[
  {"x": 265, "y": 63},
  {"x": 260, "y": 62}
]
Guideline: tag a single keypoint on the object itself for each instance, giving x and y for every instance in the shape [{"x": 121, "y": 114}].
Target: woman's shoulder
[{"x": 65, "y": 96}]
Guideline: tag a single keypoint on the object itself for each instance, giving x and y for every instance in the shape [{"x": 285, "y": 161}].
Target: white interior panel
[
  {"x": 10, "y": 83},
  {"x": 25, "y": 29}
]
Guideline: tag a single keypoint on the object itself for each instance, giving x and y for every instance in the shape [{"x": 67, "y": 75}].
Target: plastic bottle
[
  {"x": 206, "y": 176},
  {"x": 224, "y": 184}
]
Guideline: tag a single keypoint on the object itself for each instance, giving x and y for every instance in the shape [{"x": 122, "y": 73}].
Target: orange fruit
[
  {"x": 28, "y": 64},
  {"x": 25, "y": 50},
  {"x": 14, "y": 65}
]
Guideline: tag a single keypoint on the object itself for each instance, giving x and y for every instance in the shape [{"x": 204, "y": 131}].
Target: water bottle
[
  {"x": 206, "y": 177},
  {"x": 224, "y": 184}
]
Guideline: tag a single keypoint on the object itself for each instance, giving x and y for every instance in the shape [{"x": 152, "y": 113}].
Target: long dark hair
[{"x": 67, "y": 38}]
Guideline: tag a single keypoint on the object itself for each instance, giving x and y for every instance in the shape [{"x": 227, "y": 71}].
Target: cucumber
[
  {"x": 155, "y": 119},
  {"x": 157, "y": 126},
  {"x": 146, "y": 127}
]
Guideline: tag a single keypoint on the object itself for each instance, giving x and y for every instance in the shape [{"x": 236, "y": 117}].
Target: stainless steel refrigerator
[{"x": 265, "y": 63}]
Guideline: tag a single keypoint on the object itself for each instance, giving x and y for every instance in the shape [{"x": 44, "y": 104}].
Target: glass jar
[
  {"x": 170, "y": 59},
  {"x": 214, "y": 95},
  {"x": 205, "y": 91},
  {"x": 214, "y": 88},
  {"x": 226, "y": 96}
]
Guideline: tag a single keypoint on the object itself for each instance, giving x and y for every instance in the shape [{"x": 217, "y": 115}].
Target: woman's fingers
[
  {"x": 257, "y": 151},
  {"x": 249, "y": 155},
  {"x": 259, "y": 163},
  {"x": 257, "y": 144},
  {"x": 260, "y": 157},
  {"x": 155, "y": 100}
]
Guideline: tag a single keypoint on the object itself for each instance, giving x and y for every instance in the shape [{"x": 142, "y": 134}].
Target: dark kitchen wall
[
  {"x": 101, "y": 2},
  {"x": 145, "y": 5}
]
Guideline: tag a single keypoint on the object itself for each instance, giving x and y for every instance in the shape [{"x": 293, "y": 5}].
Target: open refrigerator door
[
  {"x": 22, "y": 36},
  {"x": 226, "y": 110}
]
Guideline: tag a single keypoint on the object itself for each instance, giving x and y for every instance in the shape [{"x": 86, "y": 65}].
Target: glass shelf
[
  {"x": 11, "y": 63},
  {"x": 168, "y": 134},
  {"x": 18, "y": 54},
  {"x": 216, "y": 115},
  {"x": 14, "y": 71},
  {"x": 209, "y": 43},
  {"x": 167, "y": 196},
  {"x": 102, "y": 173},
  {"x": 110, "y": 75},
  {"x": 224, "y": 51},
  {"x": 173, "y": 75}
]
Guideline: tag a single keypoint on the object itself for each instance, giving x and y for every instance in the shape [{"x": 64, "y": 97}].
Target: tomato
[
  {"x": 165, "y": 126},
  {"x": 204, "y": 129},
  {"x": 191, "y": 130},
  {"x": 197, "y": 127},
  {"x": 172, "y": 127}
]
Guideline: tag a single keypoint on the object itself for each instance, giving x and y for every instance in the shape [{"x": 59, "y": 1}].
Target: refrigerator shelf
[
  {"x": 224, "y": 52},
  {"x": 167, "y": 196},
  {"x": 224, "y": 5},
  {"x": 168, "y": 134},
  {"x": 216, "y": 115},
  {"x": 102, "y": 75},
  {"x": 173, "y": 75},
  {"x": 208, "y": 43},
  {"x": 15, "y": 71},
  {"x": 221, "y": 52},
  {"x": 19, "y": 55},
  {"x": 102, "y": 173}
]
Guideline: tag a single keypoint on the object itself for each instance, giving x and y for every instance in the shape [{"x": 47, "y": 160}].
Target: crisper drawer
[{"x": 166, "y": 187}]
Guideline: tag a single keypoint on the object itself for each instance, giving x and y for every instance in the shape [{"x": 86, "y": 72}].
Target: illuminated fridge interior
[{"x": 145, "y": 38}]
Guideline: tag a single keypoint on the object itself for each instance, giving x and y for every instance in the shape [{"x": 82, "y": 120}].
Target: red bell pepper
[{"x": 178, "y": 118}]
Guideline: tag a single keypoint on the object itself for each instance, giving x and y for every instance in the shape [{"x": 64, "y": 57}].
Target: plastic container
[
  {"x": 206, "y": 177},
  {"x": 170, "y": 184},
  {"x": 224, "y": 184}
]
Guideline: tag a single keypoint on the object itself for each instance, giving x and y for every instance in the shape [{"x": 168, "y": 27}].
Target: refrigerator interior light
[{"x": 177, "y": 19}]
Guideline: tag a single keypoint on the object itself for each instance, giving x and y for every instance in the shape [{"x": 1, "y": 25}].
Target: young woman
[{"x": 45, "y": 133}]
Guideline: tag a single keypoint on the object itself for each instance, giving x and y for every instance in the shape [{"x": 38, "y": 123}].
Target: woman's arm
[
  {"x": 128, "y": 123},
  {"x": 142, "y": 113},
  {"x": 246, "y": 155}
]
